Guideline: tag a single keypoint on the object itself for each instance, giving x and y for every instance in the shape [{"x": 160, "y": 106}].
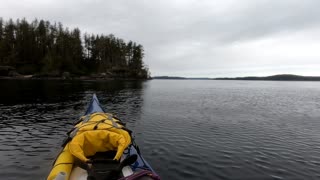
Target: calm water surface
[{"x": 228, "y": 130}]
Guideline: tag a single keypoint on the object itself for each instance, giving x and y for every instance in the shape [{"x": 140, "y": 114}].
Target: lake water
[{"x": 186, "y": 129}]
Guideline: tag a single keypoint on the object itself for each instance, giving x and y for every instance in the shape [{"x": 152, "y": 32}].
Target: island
[
  {"x": 41, "y": 49},
  {"x": 279, "y": 77}
]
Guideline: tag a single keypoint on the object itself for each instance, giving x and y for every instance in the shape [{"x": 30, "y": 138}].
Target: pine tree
[{"x": 41, "y": 47}]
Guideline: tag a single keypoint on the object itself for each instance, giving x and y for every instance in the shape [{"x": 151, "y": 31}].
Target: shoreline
[{"x": 88, "y": 78}]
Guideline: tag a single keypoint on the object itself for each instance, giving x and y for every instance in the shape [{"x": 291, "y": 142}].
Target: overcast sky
[{"x": 197, "y": 38}]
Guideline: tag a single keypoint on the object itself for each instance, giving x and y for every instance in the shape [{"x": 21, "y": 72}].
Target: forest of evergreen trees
[{"x": 47, "y": 49}]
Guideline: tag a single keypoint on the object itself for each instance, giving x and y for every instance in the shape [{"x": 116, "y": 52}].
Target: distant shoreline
[{"x": 279, "y": 77}]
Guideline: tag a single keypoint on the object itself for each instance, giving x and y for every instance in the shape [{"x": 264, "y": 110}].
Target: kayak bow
[{"x": 100, "y": 147}]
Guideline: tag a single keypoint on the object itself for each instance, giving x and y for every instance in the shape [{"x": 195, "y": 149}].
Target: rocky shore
[{"x": 9, "y": 72}]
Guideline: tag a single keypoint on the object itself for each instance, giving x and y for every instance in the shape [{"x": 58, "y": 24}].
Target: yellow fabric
[
  {"x": 99, "y": 135},
  {"x": 89, "y": 142},
  {"x": 96, "y": 135}
]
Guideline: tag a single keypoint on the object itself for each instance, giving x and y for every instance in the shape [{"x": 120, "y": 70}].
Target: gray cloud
[{"x": 198, "y": 38}]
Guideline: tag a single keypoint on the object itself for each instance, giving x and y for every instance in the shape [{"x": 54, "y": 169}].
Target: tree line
[{"x": 41, "y": 47}]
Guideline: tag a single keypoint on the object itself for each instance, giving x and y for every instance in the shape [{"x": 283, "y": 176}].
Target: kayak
[{"x": 100, "y": 147}]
